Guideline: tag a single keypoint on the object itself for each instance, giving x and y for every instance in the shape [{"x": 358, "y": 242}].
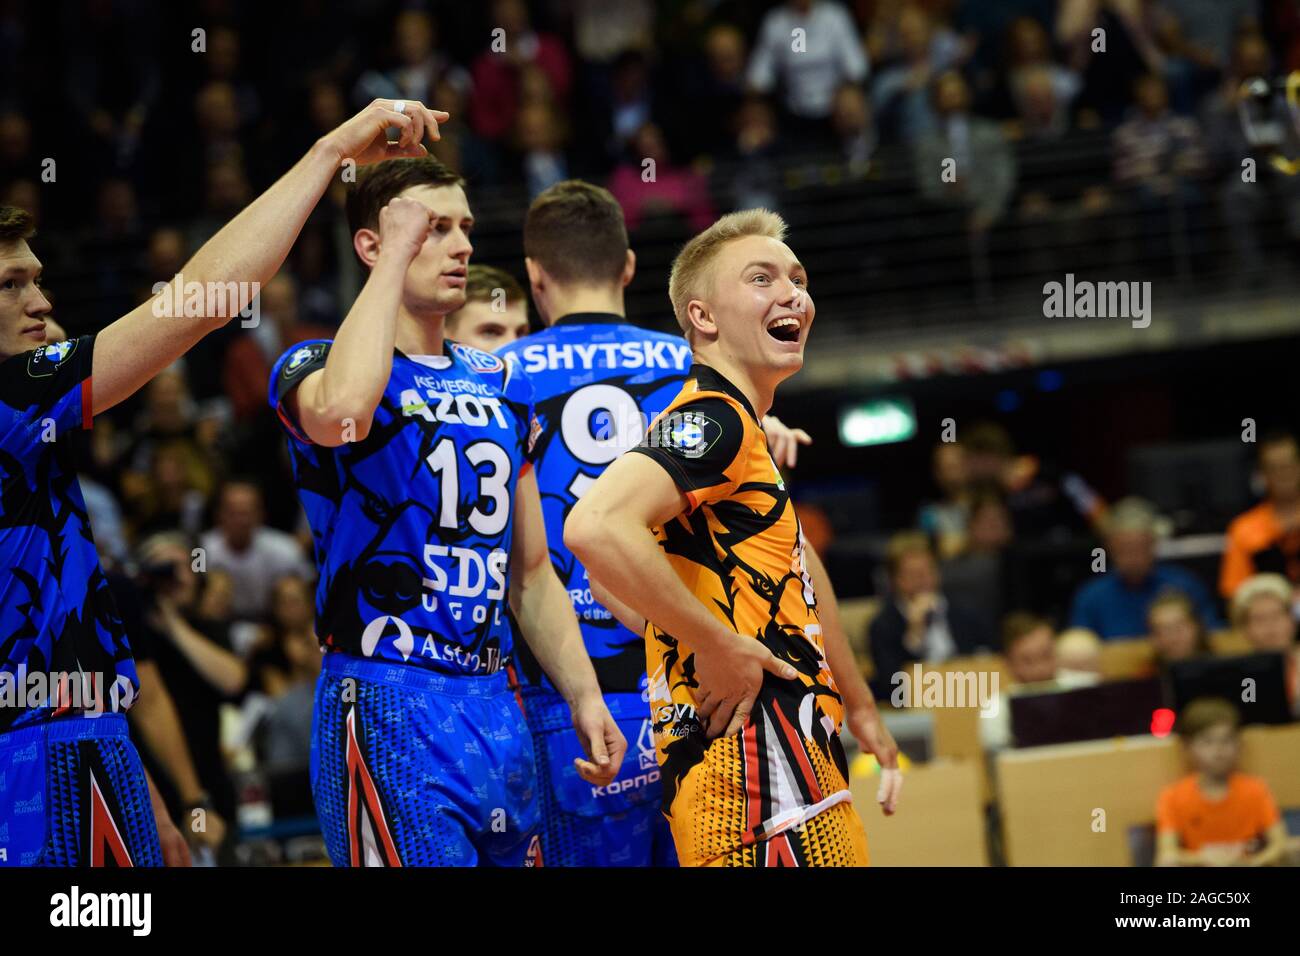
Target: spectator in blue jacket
[{"x": 1115, "y": 604}]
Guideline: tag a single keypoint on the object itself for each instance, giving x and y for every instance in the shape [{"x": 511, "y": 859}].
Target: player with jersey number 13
[{"x": 413, "y": 460}]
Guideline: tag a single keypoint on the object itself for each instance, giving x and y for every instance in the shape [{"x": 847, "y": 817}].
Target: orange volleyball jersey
[{"x": 739, "y": 549}]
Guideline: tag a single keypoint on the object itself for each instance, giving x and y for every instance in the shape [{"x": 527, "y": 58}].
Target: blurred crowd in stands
[
  {"x": 161, "y": 143},
  {"x": 1086, "y": 133},
  {"x": 948, "y": 593}
]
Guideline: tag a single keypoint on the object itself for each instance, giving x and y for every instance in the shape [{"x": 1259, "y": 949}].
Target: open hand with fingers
[
  {"x": 783, "y": 441},
  {"x": 874, "y": 738},
  {"x": 364, "y": 138},
  {"x": 730, "y": 675}
]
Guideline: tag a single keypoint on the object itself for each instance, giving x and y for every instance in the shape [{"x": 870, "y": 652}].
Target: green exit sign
[{"x": 878, "y": 422}]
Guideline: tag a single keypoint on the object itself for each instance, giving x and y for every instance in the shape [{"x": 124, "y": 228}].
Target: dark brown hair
[
  {"x": 1018, "y": 625},
  {"x": 988, "y": 438},
  {"x": 901, "y": 545},
  {"x": 378, "y": 185},
  {"x": 1172, "y": 597},
  {"x": 1206, "y": 712},
  {"x": 15, "y": 224},
  {"x": 483, "y": 281},
  {"x": 575, "y": 231}
]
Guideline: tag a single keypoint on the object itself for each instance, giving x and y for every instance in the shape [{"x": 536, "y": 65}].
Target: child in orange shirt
[{"x": 1216, "y": 816}]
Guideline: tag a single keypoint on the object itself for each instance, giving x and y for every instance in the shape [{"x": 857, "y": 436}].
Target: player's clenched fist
[
  {"x": 403, "y": 226},
  {"x": 601, "y": 739},
  {"x": 364, "y": 138}
]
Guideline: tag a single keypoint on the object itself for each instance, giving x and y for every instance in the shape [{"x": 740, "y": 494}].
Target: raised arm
[
  {"x": 247, "y": 252},
  {"x": 336, "y": 403},
  {"x": 547, "y": 622}
]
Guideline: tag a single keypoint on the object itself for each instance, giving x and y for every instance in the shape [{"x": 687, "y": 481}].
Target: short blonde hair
[
  {"x": 690, "y": 269},
  {"x": 1253, "y": 588}
]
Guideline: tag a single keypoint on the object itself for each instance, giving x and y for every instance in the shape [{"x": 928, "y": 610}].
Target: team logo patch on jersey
[
  {"x": 689, "y": 434},
  {"x": 302, "y": 358},
  {"x": 477, "y": 360},
  {"x": 45, "y": 360}
]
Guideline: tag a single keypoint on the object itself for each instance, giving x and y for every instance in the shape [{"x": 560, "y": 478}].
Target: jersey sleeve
[
  {"x": 49, "y": 389},
  {"x": 518, "y": 389},
  {"x": 290, "y": 369},
  {"x": 702, "y": 445}
]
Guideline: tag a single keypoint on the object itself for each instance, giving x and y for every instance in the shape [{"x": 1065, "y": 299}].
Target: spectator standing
[
  {"x": 1159, "y": 155},
  {"x": 985, "y": 166},
  {"x": 661, "y": 189},
  {"x": 500, "y": 75},
  {"x": 192, "y": 651},
  {"x": 251, "y": 553},
  {"x": 419, "y": 63},
  {"x": 1248, "y": 208},
  {"x": 901, "y": 92},
  {"x": 809, "y": 49}
]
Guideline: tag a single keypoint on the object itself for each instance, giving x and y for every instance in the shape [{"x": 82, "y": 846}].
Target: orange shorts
[{"x": 834, "y": 837}]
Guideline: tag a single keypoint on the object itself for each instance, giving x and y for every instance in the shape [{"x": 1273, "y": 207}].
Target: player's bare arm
[
  {"x": 249, "y": 249},
  {"x": 860, "y": 713},
  {"x": 154, "y": 716},
  {"x": 610, "y": 532},
  {"x": 629, "y": 618},
  {"x": 337, "y": 403},
  {"x": 1273, "y": 852},
  {"x": 547, "y": 622},
  {"x": 175, "y": 851}
]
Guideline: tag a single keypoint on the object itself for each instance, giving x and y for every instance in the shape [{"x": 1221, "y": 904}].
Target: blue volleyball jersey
[
  {"x": 597, "y": 384},
  {"x": 63, "y": 648},
  {"x": 412, "y": 524}
]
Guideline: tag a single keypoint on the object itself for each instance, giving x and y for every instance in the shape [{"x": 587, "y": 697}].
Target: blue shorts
[
  {"x": 617, "y": 825},
  {"x": 73, "y": 793},
  {"x": 414, "y": 768}
]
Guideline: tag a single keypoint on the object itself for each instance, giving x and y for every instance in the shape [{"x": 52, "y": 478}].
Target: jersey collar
[
  {"x": 444, "y": 361},
  {"x": 710, "y": 379},
  {"x": 590, "y": 318}
]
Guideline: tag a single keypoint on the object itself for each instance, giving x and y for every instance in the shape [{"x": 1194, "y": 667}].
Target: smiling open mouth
[{"x": 785, "y": 329}]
